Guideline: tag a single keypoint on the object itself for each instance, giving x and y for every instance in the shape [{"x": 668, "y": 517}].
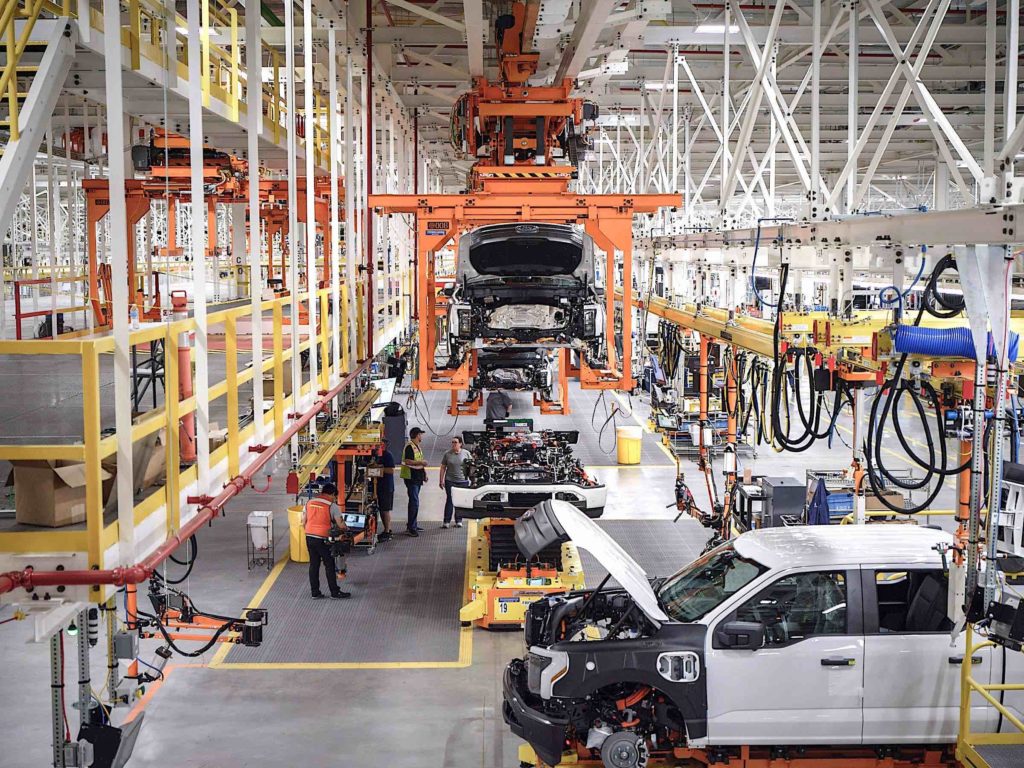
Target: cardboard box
[
  {"x": 873, "y": 504},
  {"x": 150, "y": 458},
  {"x": 286, "y": 384},
  {"x": 52, "y": 493}
]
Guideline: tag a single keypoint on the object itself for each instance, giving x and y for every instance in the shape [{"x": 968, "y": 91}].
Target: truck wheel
[{"x": 624, "y": 749}]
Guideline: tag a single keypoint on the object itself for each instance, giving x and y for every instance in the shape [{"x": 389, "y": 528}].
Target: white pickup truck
[{"x": 814, "y": 635}]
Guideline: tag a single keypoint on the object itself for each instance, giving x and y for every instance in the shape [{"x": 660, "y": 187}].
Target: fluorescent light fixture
[
  {"x": 715, "y": 29},
  {"x": 181, "y": 30}
]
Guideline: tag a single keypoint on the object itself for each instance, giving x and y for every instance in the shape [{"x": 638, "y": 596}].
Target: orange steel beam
[{"x": 608, "y": 219}]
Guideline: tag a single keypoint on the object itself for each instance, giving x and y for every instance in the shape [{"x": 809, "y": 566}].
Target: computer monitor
[{"x": 355, "y": 520}]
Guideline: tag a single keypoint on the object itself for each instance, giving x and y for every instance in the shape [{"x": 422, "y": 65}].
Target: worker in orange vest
[{"x": 317, "y": 516}]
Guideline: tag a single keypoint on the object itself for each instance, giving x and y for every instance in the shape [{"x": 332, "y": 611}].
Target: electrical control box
[{"x": 126, "y": 645}]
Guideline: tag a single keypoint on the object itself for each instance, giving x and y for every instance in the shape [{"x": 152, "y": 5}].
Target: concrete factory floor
[{"x": 216, "y": 711}]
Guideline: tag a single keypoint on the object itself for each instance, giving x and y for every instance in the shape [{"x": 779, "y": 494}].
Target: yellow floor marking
[{"x": 465, "y": 635}]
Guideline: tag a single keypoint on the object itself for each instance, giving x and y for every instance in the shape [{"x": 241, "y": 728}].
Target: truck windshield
[{"x": 706, "y": 583}]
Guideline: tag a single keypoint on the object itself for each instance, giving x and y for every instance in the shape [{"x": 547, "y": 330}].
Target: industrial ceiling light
[{"x": 715, "y": 29}]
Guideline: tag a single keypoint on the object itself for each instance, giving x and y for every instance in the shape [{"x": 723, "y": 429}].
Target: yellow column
[
  {"x": 279, "y": 372},
  {"x": 231, "y": 361},
  {"x": 172, "y": 490},
  {"x": 93, "y": 471}
]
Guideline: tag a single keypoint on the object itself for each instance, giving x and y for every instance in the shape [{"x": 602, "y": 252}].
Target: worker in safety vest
[
  {"x": 414, "y": 473},
  {"x": 317, "y": 516}
]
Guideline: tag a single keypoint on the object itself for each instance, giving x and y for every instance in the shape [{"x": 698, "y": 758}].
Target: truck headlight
[{"x": 544, "y": 668}]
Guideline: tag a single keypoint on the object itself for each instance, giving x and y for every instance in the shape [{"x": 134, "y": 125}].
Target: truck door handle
[
  {"x": 960, "y": 659},
  {"x": 838, "y": 662}
]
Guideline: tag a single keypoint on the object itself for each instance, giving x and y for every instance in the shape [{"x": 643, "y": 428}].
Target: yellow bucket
[
  {"x": 297, "y": 550},
  {"x": 629, "y": 440}
]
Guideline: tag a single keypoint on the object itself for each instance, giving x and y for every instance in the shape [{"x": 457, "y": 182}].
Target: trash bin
[
  {"x": 297, "y": 550},
  {"x": 629, "y": 441}
]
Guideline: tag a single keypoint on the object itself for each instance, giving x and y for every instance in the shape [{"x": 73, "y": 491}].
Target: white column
[
  {"x": 333, "y": 130},
  {"x": 351, "y": 186},
  {"x": 254, "y": 120},
  {"x": 54, "y": 204},
  {"x": 293, "y": 198},
  {"x": 816, "y": 208},
  {"x": 312, "y": 305},
  {"x": 852, "y": 105},
  {"x": 199, "y": 238},
  {"x": 118, "y": 219}
]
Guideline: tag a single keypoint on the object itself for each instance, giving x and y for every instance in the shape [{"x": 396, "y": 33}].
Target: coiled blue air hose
[{"x": 943, "y": 342}]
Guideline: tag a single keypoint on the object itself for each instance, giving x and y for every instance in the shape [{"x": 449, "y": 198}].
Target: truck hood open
[{"x": 554, "y": 521}]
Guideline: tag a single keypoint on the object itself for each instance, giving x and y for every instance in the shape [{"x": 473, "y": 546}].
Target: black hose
[{"x": 190, "y": 561}]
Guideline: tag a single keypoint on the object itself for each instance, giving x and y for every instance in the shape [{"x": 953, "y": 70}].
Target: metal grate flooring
[
  {"x": 591, "y": 450},
  {"x": 1002, "y": 755},
  {"x": 661, "y": 547},
  {"x": 404, "y": 607}
]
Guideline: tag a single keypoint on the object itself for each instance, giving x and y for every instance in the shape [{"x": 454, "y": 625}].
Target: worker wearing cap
[
  {"x": 414, "y": 473},
  {"x": 317, "y": 516}
]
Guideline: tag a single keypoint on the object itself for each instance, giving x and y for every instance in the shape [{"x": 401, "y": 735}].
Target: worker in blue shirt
[{"x": 385, "y": 488}]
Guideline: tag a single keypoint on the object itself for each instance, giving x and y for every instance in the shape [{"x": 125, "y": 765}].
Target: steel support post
[
  {"x": 57, "y": 696},
  {"x": 337, "y": 325},
  {"x": 84, "y": 671},
  {"x": 815, "y": 196},
  {"x": 199, "y": 243},
  {"x": 254, "y": 120},
  {"x": 977, "y": 469},
  {"x": 859, "y": 423},
  {"x": 119, "y": 271},
  {"x": 293, "y": 219},
  {"x": 312, "y": 300},
  {"x": 352, "y": 229},
  {"x": 113, "y": 668},
  {"x": 674, "y": 186},
  {"x": 726, "y": 125},
  {"x": 54, "y": 213},
  {"x": 369, "y": 139},
  {"x": 1012, "y": 68},
  {"x": 991, "y": 52},
  {"x": 853, "y": 106}
]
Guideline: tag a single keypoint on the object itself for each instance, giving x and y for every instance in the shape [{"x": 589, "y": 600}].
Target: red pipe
[
  {"x": 371, "y": 320},
  {"x": 136, "y": 574}
]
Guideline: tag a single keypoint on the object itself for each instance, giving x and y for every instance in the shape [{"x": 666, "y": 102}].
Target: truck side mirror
[{"x": 743, "y": 635}]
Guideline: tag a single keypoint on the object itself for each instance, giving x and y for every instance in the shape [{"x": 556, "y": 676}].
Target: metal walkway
[
  {"x": 661, "y": 547},
  {"x": 404, "y": 608}
]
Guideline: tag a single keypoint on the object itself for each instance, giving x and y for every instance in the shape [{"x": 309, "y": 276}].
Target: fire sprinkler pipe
[{"x": 136, "y": 574}]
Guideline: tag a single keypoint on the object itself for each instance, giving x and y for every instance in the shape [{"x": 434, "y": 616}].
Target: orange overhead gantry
[
  {"x": 504, "y": 199},
  {"x": 140, "y": 193},
  {"x": 519, "y": 132},
  {"x": 166, "y": 161}
]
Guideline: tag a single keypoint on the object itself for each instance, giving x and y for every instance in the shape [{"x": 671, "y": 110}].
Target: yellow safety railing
[
  {"x": 97, "y": 451},
  {"x": 221, "y": 50},
  {"x": 11, "y": 12},
  {"x": 851, "y": 518},
  {"x": 969, "y": 740}
]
